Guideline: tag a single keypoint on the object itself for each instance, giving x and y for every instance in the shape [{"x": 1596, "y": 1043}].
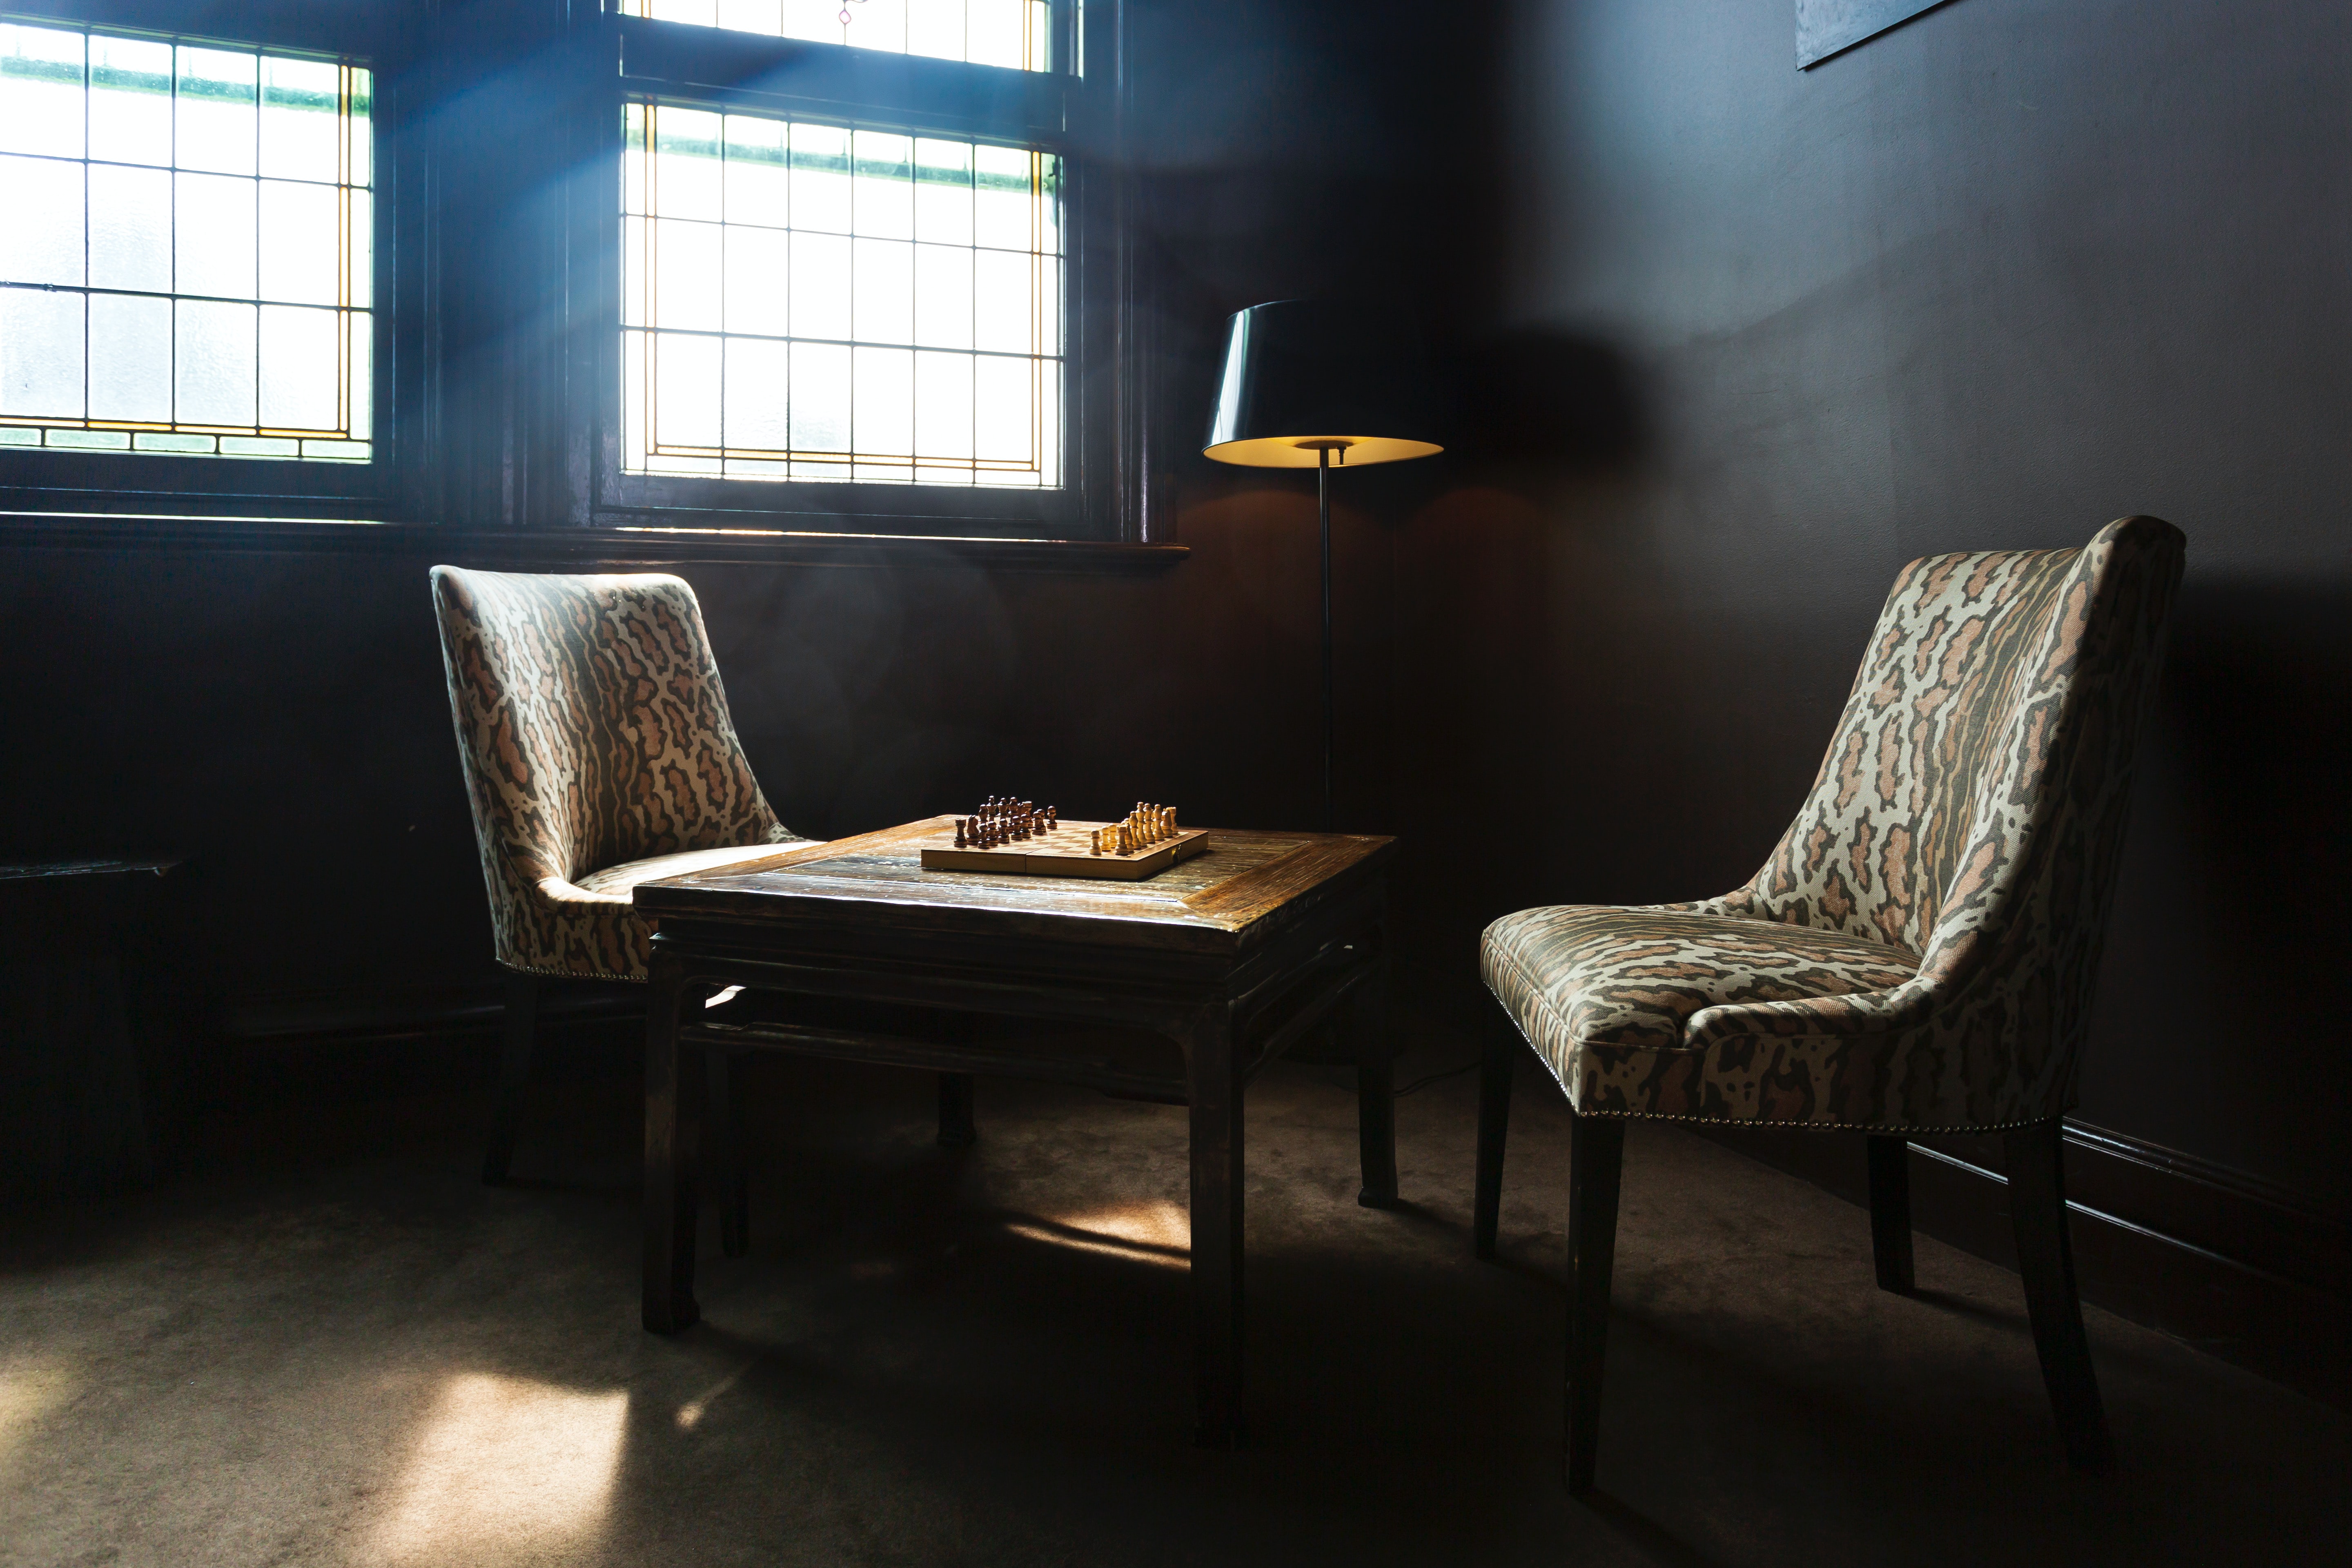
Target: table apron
[
  {"x": 1266, "y": 1021},
  {"x": 1056, "y": 984}
]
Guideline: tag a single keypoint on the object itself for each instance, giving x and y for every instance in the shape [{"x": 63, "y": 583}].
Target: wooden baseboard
[{"x": 2224, "y": 1261}]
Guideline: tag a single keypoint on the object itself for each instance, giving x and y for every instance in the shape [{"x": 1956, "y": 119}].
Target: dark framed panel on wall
[{"x": 208, "y": 221}]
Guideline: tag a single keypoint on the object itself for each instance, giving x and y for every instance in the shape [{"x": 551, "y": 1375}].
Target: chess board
[{"x": 1064, "y": 852}]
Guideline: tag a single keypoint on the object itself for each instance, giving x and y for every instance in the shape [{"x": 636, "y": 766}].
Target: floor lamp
[{"x": 1309, "y": 384}]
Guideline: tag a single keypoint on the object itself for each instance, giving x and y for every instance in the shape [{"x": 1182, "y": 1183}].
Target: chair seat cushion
[
  {"x": 1576, "y": 977},
  {"x": 590, "y": 926}
]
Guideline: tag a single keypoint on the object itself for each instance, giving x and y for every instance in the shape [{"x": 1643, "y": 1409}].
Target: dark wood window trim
[
  {"x": 1075, "y": 115},
  {"x": 495, "y": 314},
  {"x": 567, "y": 549}
]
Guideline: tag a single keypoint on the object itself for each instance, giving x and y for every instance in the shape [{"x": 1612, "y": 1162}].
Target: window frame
[
  {"x": 34, "y": 479},
  {"x": 496, "y": 290},
  {"x": 1071, "y": 114}
]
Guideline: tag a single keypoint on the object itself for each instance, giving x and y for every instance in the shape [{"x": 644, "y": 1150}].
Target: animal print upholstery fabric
[
  {"x": 595, "y": 739},
  {"x": 1966, "y": 824}
]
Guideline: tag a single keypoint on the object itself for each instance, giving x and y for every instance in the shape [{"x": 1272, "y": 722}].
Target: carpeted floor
[{"x": 334, "y": 1346}]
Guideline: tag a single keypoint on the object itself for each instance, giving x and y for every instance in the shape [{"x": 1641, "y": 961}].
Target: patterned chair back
[
  {"x": 1971, "y": 806},
  {"x": 593, "y": 728}
]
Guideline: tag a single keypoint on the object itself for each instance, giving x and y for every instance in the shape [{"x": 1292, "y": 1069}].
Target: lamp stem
[{"x": 1323, "y": 509}]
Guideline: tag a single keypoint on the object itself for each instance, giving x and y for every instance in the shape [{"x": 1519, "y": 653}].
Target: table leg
[
  {"x": 1375, "y": 1093},
  {"x": 723, "y": 1151},
  {"x": 674, "y": 1090},
  {"x": 1213, "y": 1080}
]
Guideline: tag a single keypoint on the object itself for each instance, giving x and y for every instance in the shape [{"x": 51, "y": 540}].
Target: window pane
[
  {"x": 301, "y": 243},
  {"x": 757, "y": 406},
  {"x": 41, "y": 239},
  {"x": 1015, "y": 34},
  {"x": 813, "y": 289},
  {"x": 217, "y": 126},
  {"x": 1004, "y": 293},
  {"x": 359, "y": 252},
  {"x": 820, "y": 178},
  {"x": 685, "y": 392},
  {"x": 359, "y": 380},
  {"x": 943, "y": 297},
  {"x": 882, "y": 413},
  {"x": 1015, "y": 204},
  {"x": 882, "y": 203},
  {"x": 686, "y": 275},
  {"x": 943, "y": 191},
  {"x": 40, "y": 354},
  {"x": 943, "y": 431},
  {"x": 213, "y": 352},
  {"x": 157, "y": 244},
  {"x": 883, "y": 291},
  {"x": 130, "y": 228},
  {"x": 301, "y": 369},
  {"x": 759, "y": 272},
  {"x": 130, "y": 380},
  {"x": 213, "y": 239},
  {"x": 935, "y": 27},
  {"x": 820, "y": 411},
  {"x": 40, "y": 91},
  {"x": 686, "y": 165},
  {"x": 821, "y": 289},
  {"x": 301, "y": 118},
  {"x": 757, "y": 176},
  {"x": 131, "y": 106}
]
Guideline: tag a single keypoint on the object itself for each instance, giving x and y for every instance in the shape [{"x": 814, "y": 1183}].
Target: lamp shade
[{"x": 1319, "y": 373}]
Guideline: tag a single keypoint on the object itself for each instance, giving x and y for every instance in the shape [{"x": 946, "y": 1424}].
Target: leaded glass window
[
  {"x": 802, "y": 301},
  {"x": 1010, "y": 33},
  {"x": 186, "y": 259}
]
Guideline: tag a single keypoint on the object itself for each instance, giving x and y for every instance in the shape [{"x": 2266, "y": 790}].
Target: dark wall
[
  {"x": 1734, "y": 343},
  {"x": 281, "y": 721},
  {"x": 278, "y": 716},
  {"x": 2009, "y": 272}
]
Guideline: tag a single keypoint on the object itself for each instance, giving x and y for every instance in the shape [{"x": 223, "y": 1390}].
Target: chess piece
[{"x": 959, "y": 842}]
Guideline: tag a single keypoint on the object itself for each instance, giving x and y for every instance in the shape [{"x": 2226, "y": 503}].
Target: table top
[{"x": 1245, "y": 887}]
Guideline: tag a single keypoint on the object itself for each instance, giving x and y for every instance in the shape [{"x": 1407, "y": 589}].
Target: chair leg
[
  {"x": 956, "y": 1131},
  {"x": 1494, "y": 1122},
  {"x": 729, "y": 1173},
  {"x": 1890, "y": 1211},
  {"x": 1596, "y": 1158},
  {"x": 514, "y": 1073},
  {"x": 2037, "y": 1210}
]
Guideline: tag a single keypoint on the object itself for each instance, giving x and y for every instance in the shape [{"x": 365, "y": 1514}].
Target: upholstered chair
[
  {"x": 1917, "y": 957},
  {"x": 598, "y": 754}
]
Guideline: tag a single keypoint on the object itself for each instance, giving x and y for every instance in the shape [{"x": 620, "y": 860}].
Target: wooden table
[{"x": 1233, "y": 957}]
